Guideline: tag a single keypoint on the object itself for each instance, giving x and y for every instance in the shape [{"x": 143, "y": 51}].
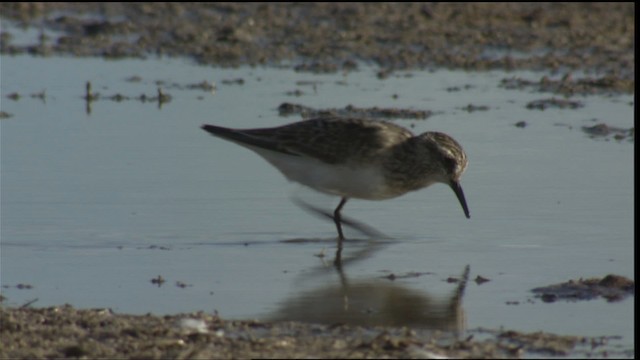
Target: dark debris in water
[
  {"x": 611, "y": 287},
  {"x": 42, "y": 95},
  {"x": 471, "y": 108},
  {"x": 182, "y": 284},
  {"x": 287, "y": 109},
  {"x": 481, "y": 280},
  {"x": 409, "y": 275},
  {"x": 569, "y": 86},
  {"x": 19, "y": 286},
  {"x": 236, "y": 81},
  {"x": 160, "y": 98},
  {"x": 544, "y": 104},
  {"x": 603, "y": 130},
  {"x": 158, "y": 280}
]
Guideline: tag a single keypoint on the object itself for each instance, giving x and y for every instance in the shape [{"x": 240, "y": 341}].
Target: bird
[{"x": 353, "y": 157}]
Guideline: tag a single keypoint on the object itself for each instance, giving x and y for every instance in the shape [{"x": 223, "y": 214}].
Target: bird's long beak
[{"x": 455, "y": 186}]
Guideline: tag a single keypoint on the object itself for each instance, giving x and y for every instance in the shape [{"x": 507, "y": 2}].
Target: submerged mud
[{"x": 611, "y": 287}]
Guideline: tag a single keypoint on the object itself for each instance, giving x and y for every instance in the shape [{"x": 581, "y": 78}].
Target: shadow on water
[{"x": 356, "y": 225}]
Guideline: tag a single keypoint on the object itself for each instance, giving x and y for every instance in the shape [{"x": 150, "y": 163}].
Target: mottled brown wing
[{"x": 334, "y": 140}]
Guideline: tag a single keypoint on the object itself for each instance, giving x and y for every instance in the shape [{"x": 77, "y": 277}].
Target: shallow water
[{"x": 95, "y": 205}]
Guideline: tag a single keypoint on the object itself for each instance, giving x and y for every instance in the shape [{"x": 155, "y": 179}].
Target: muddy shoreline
[
  {"x": 597, "y": 38},
  {"x": 66, "y": 332}
]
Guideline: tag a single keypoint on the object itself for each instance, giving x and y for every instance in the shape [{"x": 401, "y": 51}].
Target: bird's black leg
[
  {"x": 363, "y": 228},
  {"x": 338, "y": 220}
]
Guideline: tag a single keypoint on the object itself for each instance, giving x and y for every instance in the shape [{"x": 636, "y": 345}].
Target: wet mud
[
  {"x": 604, "y": 131},
  {"x": 66, "y": 332},
  {"x": 330, "y": 37},
  {"x": 611, "y": 287},
  {"x": 288, "y": 109}
]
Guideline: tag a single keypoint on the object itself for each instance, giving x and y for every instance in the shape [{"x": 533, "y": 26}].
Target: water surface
[{"x": 96, "y": 205}]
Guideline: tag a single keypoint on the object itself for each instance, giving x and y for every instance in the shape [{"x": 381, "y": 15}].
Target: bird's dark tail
[{"x": 246, "y": 138}]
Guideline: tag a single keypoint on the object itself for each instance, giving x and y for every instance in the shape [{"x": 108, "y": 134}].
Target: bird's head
[{"x": 448, "y": 161}]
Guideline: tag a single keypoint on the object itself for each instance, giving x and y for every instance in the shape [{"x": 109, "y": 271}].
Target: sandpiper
[{"x": 356, "y": 158}]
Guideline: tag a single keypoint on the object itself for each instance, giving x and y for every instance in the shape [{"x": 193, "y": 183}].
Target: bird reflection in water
[{"x": 372, "y": 302}]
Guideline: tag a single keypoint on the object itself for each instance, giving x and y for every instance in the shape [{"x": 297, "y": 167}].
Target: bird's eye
[{"x": 449, "y": 164}]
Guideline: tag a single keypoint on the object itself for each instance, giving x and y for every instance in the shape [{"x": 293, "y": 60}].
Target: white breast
[{"x": 364, "y": 182}]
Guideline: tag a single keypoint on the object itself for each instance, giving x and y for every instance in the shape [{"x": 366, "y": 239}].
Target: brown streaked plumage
[{"x": 355, "y": 157}]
